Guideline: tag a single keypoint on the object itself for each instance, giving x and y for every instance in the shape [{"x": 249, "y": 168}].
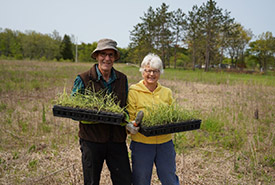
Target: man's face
[{"x": 106, "y": 60}]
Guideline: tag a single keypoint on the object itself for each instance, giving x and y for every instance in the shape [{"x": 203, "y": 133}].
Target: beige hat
[{"x": 106, "y": 44}]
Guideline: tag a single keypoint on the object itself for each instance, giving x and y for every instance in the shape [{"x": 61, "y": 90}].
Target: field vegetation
[{"x": 235, "y": 144}]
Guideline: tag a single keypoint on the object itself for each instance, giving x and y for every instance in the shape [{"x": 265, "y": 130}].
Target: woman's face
[{"x": 150, "y": 75}]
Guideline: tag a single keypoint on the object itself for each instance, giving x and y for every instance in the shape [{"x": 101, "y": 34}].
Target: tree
[
  {"x": 223, "y": 41},
  {"x": 10, "y": 44},
  {"x": 124, "y": 52},
  {"x": 237, "y": 41},
  {"x": 245, "y": 37},
  {"x": 163, "y": 35},
  {"x": 39, "y": 46},
  {"x": 56, "y": 44},
  {"x": 85, "y": 50},
  {"x": 142, "y": 37},
  {"x": 153, "y": 34},
  {"x": 66, "y": 49},
  {"x": 212, "y": 19},
  {"x": 193, "y": 33},
  {"x": 207, "y": 30},
  {"x": 178, "y": 26},
  {"x": 264, "y": 49},
  {"x": 31, "y": 45}
]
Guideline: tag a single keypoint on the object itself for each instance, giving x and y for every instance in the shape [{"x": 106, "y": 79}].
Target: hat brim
[{"x": 94, "y": 53}]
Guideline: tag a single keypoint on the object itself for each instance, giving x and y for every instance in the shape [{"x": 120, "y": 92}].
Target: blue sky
[{"x": 90, "y": 20}]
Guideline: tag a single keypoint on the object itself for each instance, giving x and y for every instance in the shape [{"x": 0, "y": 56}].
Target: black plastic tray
[
  {"x": 170, "y": 128},
  {"x": 88, "y": 115}
]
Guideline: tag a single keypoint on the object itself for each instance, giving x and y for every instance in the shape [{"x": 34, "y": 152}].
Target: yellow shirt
[{"x": 139, "y": 98}]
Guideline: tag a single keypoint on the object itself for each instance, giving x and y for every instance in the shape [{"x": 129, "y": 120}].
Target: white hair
[{"x": 153, "y": 61}]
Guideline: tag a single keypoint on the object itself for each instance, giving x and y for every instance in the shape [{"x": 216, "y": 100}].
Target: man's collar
[{"x": 99, "y": 75}]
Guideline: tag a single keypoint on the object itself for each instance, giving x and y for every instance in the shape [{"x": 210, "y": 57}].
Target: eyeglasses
[
  {"x": 149, "y": 71},
  {"x": 104, "y": 54}
]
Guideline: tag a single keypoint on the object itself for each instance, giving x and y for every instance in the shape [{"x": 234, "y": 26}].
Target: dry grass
[
  {"x": 37, "y": 148},
  {"x": 235, "y": 105}
]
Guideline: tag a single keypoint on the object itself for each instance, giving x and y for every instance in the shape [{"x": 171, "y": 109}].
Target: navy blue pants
[
  {"x": 144, "y": 156},
  {"x": 117, "y": 160}
]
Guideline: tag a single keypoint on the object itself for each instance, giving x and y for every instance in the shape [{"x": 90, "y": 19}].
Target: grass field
[{"x": 235, "y": 145}]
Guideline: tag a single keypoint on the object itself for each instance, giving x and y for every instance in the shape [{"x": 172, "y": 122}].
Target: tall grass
[{"x": 26, "y": 76}]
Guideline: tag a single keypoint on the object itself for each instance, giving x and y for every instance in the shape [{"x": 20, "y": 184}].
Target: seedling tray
[
  {"x": 88, "y": 115},
  {"x": 170, "y": 128}
]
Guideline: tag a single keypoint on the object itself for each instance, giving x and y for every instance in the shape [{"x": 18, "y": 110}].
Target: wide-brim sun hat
[{"x": 106, "y": 44}]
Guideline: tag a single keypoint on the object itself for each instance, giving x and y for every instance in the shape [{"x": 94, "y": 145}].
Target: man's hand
[{"x": 131, "y": 128}]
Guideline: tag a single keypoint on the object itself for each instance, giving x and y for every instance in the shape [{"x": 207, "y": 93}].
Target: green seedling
[
  {"x": 87, "y": 99},
  {"x": 166, "y": 114}
]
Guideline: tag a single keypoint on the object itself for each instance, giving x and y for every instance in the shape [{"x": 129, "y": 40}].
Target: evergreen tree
[
  {"x": 193, "y": 35},
  {"x": 153, "y": 34},
  {"x": 142, "y": 37},
  {"x": 206, "y": 32},
  {"x": 212, "y": 19},
  {"x": 66, "y": 49},
  {"x": 179, "y": 24},
  {"x": 163, "y": 34}
]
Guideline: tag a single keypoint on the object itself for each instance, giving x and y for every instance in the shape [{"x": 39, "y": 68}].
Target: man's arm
[{"x": 78, "y": 85}]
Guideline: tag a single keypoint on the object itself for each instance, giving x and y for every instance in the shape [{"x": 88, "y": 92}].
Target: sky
[{"x": 90, "y": 20}]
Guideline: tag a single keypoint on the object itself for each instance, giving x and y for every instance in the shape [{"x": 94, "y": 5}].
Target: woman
[{"x": 158, "y": 150}]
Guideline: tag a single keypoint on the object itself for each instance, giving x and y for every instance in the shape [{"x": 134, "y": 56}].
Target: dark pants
[
  {"x": 144, "y": 156},
  {"x": 117, "y": 160}
]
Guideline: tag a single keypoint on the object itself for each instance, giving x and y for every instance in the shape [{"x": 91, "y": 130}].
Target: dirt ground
[{"x": 192, "y": 168}]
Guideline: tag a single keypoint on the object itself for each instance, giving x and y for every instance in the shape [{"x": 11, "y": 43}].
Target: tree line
[
  {"x": 209, "y": 34},
  {"x": 204, "y": 37},
  {"x": 36, "y": 46}
]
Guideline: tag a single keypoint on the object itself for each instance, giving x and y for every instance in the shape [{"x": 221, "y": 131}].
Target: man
[{"x": 104, "y": 142}]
